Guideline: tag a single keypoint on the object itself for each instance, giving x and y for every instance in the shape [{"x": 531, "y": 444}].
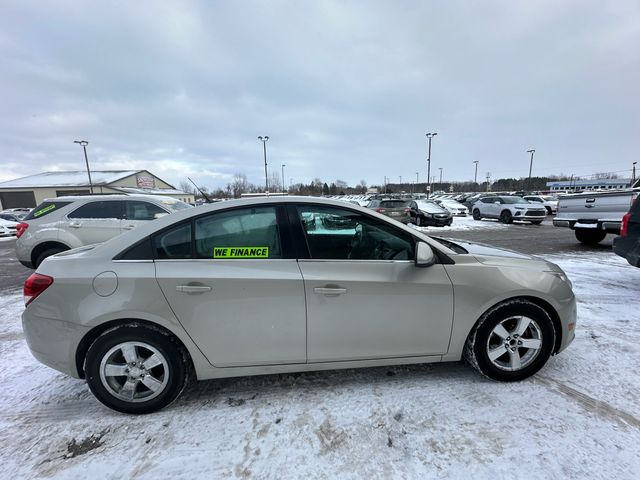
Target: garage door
[{"x": 17, "y": 199}]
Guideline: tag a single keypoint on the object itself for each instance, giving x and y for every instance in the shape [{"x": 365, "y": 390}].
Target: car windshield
[
  {"x": 175, "y": 205},
  {"x": 509, "y": 200}
]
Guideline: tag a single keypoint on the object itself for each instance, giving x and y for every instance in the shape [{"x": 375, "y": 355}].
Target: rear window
[
  {"x": 45, "y": 208},
  {"x": 393, "y": 204},
  {"x": 102, "y": 209}
]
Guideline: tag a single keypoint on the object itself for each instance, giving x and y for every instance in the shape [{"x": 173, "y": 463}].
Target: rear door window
[
  {"x": 101, "y": 209},
  {"x": 174, "y": 243},
  {"x": 245, "y": 233},
  {"x": 45, "y": 208},
  {"x": 393, "y": 204}
]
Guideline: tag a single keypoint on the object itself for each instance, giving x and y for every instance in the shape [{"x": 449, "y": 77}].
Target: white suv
[
  {"x": 507, "y": 209},
  {"x": 63, "y": 223}
]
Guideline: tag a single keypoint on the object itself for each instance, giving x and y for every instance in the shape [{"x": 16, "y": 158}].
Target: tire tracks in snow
[{"x": 590, "y": 404}]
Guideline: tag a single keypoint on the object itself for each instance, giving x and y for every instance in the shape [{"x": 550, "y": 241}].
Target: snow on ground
[
  {"x": 579, "y": 417},
  {"x": 464, "y": 223}
]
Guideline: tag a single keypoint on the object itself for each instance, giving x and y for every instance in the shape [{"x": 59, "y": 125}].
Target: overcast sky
[{"x": 346, "y": 90}]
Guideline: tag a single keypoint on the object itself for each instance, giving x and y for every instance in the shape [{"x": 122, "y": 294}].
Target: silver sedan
[{"x": 266, "y": 285}]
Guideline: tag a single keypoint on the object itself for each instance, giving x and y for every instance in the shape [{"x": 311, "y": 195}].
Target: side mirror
[{"x": 424, "y": 255}]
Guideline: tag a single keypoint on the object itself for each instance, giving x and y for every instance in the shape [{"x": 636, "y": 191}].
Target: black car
[
  {"x": 427, "y": 213},
  {"x": 627, "y": 245}
]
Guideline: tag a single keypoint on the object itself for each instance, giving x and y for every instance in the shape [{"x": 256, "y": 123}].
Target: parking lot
[{"x": 580, "y": 416}]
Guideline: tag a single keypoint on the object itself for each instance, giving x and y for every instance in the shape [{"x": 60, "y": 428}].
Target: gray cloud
[{"x": 344, "y": 89}]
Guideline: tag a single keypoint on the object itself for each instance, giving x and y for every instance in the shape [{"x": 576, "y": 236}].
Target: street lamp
[
  {"x": 530, "y": 167},
  {"x": 633, "y": 174},
  {"x": 475, "y": 177},
  {"x": 84, "y": 144},
  {"x": 429, "y": 136},
  {"x": 264, "y": 147},
  {"x": 440, "y": 168},
  {"x": 283, "y": 165}
]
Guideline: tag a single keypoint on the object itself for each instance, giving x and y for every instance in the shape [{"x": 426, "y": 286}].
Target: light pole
[
  {"x": 440, "y": 168},
  {"x": 264, "y": 147},
  {"x": 488, "y": 180},
  {"x": 400, "y": 181},
  {"x": 530, "y": 167},
  {"x": 283, "y": 165},
  {"x": 633, "y": 174},
  {"x": 475, "y": 177},
  {"x": 429, "y": 136},
  {"x": 84, "y": 144}
]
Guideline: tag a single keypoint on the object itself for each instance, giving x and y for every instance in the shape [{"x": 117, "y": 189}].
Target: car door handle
[
  {"x": 193, "y": 288},
  {"x": 129, "y": 227},
  {"x": 75, "y": 224},
  {"x": 330, "y": 291}
]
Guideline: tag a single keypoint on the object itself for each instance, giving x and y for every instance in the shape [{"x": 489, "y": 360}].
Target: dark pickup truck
[{"x": 627, "y": 245}]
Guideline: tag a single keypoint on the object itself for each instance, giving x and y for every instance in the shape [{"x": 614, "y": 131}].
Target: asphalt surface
[{"x": 525, "y": 238}]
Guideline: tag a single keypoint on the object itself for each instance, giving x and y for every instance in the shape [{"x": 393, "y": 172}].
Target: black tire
[
  {"x": 418, "y": 220},
  {"x": 477, "y": 346},
  {"x": 589, "y": 236},
  {"x": 176, "y": 368},
  {"x": 549, "y": 212},
  {"x": 476, "y": 214},
  {"x": 506, "y": 217},
  {"x": 536, "y": 222},
  {"x": 48, "y": 253}
]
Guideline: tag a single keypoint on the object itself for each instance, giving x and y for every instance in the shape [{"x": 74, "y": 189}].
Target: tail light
[
  {"x": 21, "y": 228},
  {"x": 380, "y": 210},
  {"x": 625, "y": 224},
  {"x": 35, "y": 285}
]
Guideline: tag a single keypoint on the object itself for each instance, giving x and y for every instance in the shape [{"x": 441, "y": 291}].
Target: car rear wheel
[
  {"x": 136, "y": 369},
  {"x": 419, "y": 221},
  {"x": 476, "y": 214},
  {"x": 589, "y": 236},
  {"x": 511, "y": 342},
  {"x": 47, "y": 253},
  {"x": 506, "y": 217}
]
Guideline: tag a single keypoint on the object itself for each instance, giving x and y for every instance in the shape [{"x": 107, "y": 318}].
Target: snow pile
[
  {"x": 580, "y": 417},
  {"x": 464, "y": 224}
]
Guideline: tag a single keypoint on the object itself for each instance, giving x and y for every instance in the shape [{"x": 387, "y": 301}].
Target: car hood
[
  {"x": 490, "y": 255},
  {"x": 431, "y": 208}
]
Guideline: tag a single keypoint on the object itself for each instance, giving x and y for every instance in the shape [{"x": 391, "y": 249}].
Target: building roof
[
  {"x": 69, "y": 179},
  {"x": 150, "y": 191},
  {"x": 585, "y": 183}
]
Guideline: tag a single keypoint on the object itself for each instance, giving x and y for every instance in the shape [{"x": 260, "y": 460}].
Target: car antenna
[{"x": 203, "y": 194}]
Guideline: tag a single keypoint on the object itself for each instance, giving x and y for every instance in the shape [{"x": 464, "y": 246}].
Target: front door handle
[
  {"x": 330, "y": 291},
  {"x": 129, "y": 227},
  {"x": 75, "y": 224},
  {"x": 193, "y": 288}
]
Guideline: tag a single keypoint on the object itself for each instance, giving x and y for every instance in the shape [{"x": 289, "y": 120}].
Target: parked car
[
  {"x": 507, "y": 209},
  {"x": 549, "y": 202},
  {"x": 397, "y": 209},
  {"x": 592, "y": 215},
  {"x": 627, "y": 245},
  {"x": 62, "y": 223},
  {"x": 7, "y": 228},
  {"x": 427, "y": 213},
  {"x": 456, "y": 208},
  {"x": 472, "y": 199},
  {"x": 243, "y": 288}
]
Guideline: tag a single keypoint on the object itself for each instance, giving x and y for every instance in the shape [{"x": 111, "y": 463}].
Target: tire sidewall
[
  {"x": 483, "y": 330},
  {"x": 177, "y": 369},
  {"x": 506, "y": 217}
]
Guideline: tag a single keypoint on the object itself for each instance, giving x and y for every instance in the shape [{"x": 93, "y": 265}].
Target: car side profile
[
  {"x": 63, "y": 223},
  {"x": 427, "y": 213},
  {"x": 507, "y": 209},
  {"x": 248, "y": 287}
]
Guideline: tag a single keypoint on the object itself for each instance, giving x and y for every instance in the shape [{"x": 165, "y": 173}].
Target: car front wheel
[
  {"x": 511, "y": 342},
  {"x": 506, "y": 217},
  {"x": 136, "y": 369},
  {"x": 476, "y": 215}
]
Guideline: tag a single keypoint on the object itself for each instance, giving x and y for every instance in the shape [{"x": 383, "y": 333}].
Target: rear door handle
[
  {"x": 330, "y": 291},
  {"x": 129, "y": 227},
  {"x": 75, "y": 224},
  {"x": 193, "y": 288}
]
